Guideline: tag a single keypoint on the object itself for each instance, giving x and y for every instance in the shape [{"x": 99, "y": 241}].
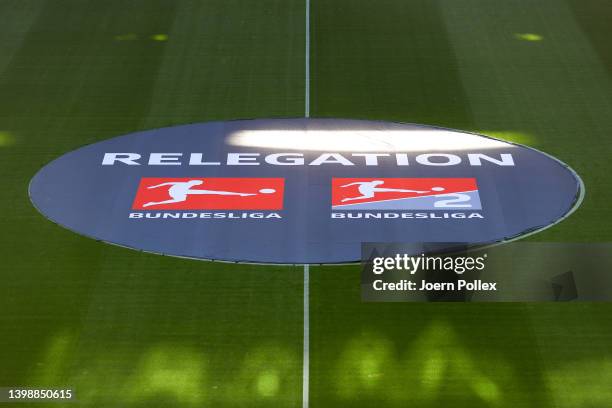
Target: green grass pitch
[{"x": 127, "y": 329}]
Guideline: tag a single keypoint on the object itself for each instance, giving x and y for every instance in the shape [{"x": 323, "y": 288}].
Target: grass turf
[
  {"x": 466, "y": 65},
  {"x": 121, "y": 327}
]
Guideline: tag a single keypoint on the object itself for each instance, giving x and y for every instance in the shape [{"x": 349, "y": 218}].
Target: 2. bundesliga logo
[
  {"x": 388, "y": 195},
  {"x": 405, "y": 194}
]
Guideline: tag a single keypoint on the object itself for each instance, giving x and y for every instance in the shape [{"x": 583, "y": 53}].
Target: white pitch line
[
  {"x": 306, "y": 349},
  {"x": 307, "y": 63}
]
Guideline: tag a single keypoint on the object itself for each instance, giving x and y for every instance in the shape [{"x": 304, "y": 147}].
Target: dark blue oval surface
[{"x": 300, "y": 191}]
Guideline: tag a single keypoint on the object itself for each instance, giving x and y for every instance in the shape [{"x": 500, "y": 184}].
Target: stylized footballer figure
[{"x": 368, "y": 189}]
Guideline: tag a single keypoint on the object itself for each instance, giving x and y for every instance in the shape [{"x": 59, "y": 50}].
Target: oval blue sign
[{"x": 297, "y": 191}]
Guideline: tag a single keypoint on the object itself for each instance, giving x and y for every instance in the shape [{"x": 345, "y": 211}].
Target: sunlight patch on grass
[
  {"x": 159, "y": 37},
  {"x": 510, "y": 136},
  {"x": 7, "y": 139},
  {"x": 363, "y": 366},
  {"x": 528, "y": 37},
  {"x": 582, "y": 384},
  {"x": 267, "y": 373},
  {"x": 169, "y": 371}
]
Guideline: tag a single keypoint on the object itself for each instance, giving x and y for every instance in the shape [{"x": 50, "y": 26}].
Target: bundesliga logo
[
  {"x": 405, "y": 194},
  {"x": 209, "y": 194}
]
